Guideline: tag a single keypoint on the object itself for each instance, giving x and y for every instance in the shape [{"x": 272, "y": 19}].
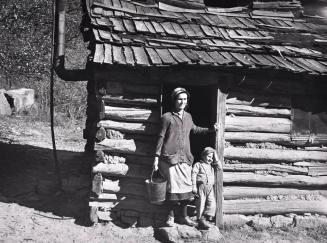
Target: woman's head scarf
[{"x": 177, "y": 92}]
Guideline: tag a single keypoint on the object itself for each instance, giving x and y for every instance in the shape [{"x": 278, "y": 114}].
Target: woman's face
[{"x": 181, "y": 102}]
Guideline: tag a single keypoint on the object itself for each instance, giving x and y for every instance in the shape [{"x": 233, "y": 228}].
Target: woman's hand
[
  {"x": 156, "y": 163},
  {"x": 195, "y": 190}
]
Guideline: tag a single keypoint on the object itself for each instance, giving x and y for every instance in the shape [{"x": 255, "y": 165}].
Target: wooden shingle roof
[{"x": 133, "y": 34}]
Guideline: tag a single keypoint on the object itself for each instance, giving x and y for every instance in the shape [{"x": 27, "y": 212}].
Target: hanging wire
[{"x": 52, "y": 70}]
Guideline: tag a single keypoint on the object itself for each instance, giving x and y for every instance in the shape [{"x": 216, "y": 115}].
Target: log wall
[
  {"x": 265, "y": 171},
  {"x": 263, "y": 163},
  {"x": 125, "y": 138}
]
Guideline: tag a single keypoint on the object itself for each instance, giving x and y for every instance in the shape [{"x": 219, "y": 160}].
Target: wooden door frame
[{"x": 219, "y": 114}]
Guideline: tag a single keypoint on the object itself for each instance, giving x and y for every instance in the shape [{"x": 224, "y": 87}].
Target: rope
[{"x": 54, "y": 149}]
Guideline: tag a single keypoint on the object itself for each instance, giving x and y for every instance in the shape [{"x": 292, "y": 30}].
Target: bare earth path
[{"x": 31, "y": 210}]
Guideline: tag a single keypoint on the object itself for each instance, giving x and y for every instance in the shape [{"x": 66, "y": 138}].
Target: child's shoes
[{"x": 203, "y": 224}]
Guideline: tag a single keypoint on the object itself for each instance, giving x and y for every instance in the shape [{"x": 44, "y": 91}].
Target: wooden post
[{"x": 220, "y": 113}]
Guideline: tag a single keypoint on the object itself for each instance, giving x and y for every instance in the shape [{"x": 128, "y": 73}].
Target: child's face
[{"x": 208, "y": 158}]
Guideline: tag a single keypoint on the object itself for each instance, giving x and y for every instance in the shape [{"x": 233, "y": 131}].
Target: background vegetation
[{"x": 25, "y": 53}]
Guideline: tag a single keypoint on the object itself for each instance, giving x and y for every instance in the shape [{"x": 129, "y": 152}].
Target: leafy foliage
[{"x": 25, "y": 52}]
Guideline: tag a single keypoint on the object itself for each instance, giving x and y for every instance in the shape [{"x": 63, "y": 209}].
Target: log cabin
[{"x": 258, "y": 71}]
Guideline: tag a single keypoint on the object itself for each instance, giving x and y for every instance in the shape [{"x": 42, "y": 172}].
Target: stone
[
  {"x": 234, "y": 220},
  {"x": 279, "y": 221},
  {"x": 5, "y": 109},
  {"x": 22, "y": 98},
  {"x": 212, "y": 235},
  {"x": 184, "y": 233},
  {"x": 259, "y": 222},
  {"x": 310, "y": 222}
]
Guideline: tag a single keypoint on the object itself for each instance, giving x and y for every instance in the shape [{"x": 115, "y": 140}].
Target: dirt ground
[{"x": 32, "y": 209}]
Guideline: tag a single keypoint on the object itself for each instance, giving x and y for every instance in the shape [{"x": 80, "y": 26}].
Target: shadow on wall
[{"x": 27, "y": 178}]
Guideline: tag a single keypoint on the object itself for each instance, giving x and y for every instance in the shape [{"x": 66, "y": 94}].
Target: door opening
[{"x": 200, "y": 106}]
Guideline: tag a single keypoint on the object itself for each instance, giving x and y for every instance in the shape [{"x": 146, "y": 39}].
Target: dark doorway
[{"x": 201, "y": 107}]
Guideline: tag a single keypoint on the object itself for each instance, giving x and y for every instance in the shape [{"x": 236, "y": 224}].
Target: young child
[{"x": 203, "y": 180}]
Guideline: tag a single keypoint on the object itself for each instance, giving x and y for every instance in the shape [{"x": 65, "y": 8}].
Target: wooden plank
[
  {"x": 140, "y": 56},
  {"x": 118, "y": 24},
  {"x": 154, "y": 57},
  {"x": 257, "y": 137},
  {"x": 137, "y": 128},
  {"x": 158, "y": 28},
  {"x": 131, "y": 114},
  {"x": 266, "y": 167},
  {"x": 241, "y": 192},
  {"x": 129, "y": 25},
  {"x": 99, "y": 53},
  {"x": 266, "y": 207},
  {"x": 259, "y": 100},
  {"x": 245, "y": 110},
  {"x": 108, "y": 54},
  {"x": 191, "y": 54},
  {"x": 259, "y": 124},
  {"x": 129, "y": 55},
  {"x": 150, "y": 27},
  {"x": 249, "y": 179},
  {"x": 168, "y": 28},
  {"x": 130, "y": 100},
  {"x": 140, "y": 26},
  {"x": 273, "y": 13},
  {"x": 318, "y": 170},
  {"x": 119, "y": 88},
  {"x": 118, "y": 55},
  {"x": 179, "y": 56},
  {"x": 178, "y": 29},
  {"x": 274, "y": 155},
  {"x": 189, "y": 30},
  {"x": 205, "y": 57},
  {"x": 218, "y": 58},
  {"x": 219, "y": 146},
  {"x": 165, "y": 56}
]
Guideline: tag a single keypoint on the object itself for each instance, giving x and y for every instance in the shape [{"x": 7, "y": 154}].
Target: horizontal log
[
  {"x": 113, "y": 134},
  {"x": 130, "y": 100},
  {"x": 131, "y": 203},
  {"x": 138, "y": 189},
  {"x": 258, "y": 124},
  {"x": 241, "y": 192},
  {"x": 247, "y": 110},
  {"x": 251, "y": 207},
  {"x": 126, "y": 146},
  {"x": 131, "y": 114},
  {"x": 258, "y": 137},
  {"x": 266, "y": 167},
  {"x": 128, "y": 127},
  {"x": 274, "y": 155},
  {"x": 309, "y": 164},
  {"x": 267, "y": 100},
  {"x": 123, "y": 170},
  {"x": 230, "y": 178},
  {"x": 318, "y": 171},
  {"x": 244, "y": 178},
  {"x": 118, "y": 88}
]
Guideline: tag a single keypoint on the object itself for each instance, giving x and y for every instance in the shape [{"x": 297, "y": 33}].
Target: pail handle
[{"x": 152, "y": 175}]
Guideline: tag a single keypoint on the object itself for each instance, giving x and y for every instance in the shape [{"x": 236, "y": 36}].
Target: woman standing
[{"x": 173, "y": 155}]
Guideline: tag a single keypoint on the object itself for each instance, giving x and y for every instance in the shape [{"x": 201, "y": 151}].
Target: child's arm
[
  {"x": 195, "y": 171},
  {"x": 217, "y": 163}
]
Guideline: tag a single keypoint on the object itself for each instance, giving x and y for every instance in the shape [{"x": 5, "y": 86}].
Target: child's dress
[{"x": 203, "y": 175}]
